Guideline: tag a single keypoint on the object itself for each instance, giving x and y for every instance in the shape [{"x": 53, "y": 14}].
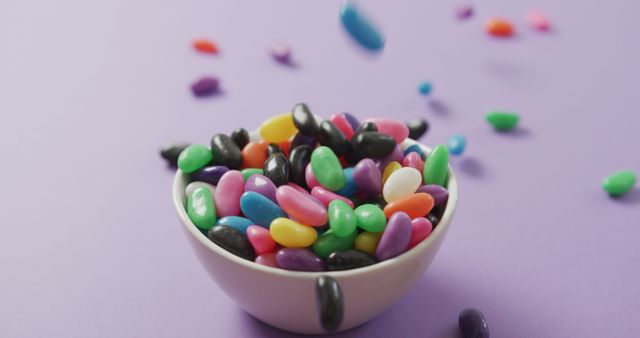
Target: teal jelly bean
[
  {"x": 456, "y": 144},
  {"x": 359, "y": 27},
  {"x": 239, "y": 223},
  {"x": 425, "y": 87},
  {"x": 350, "y": 187},
  {"x": 415, "y": 148},
  {"x": 342, "y": 219},
  {"x": 193, "y": 158},
  {"x": 260, "y": 209}
]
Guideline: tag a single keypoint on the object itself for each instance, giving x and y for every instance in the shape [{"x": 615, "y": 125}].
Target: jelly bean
[
  {"x": 205, "y": 46},
  {"x": 210, "y": 174},
  {"x": 193, "y": 158},
  {"x": 239, "y": 223},
  {"x": 201, "y": 209},
  {"x": 254, "y": 154},
  {"x": 464, "y": 11},
  {"x": 301, "y": 139},
  {"x": 299, "y": 260},
  {"x": 225, "y": 151},
  {"x": 342, "y": 219},
  {"x": 473, "y": 324},
  {"x": 368, "y": 242},
  {"x": 260, "y": 239},
  {"x": 341, "y": 122},
  {"x": 619, "y": 183},
  {"x": 276, "y": 168},
  {"x": 353, "y": 121},
  {"x": 232, "y": 240},
  {"x": 499, "y": 27},
  {"x": 375, "y": 200},
  {"x": 262, "y": 185},
  {"x": 397, "y": 155},
  {"x": 395, "y": 238},
  {"x": 302, "y": 206},
  {"x": 260, "y": 209},
  {"x": 367, "y": 177},
  {"x": 436, "y": 169},
  {"x": 292, "y": 234},
  {"x": 401, "y": 183},
  {"x": 171, "y": 152},
  {"x": 328, "y": 242},
  {"x": 273, "y": 148},
  {"x": 309, "y": 178},
  {"x": 417, "y": 128},
  {"x": 228, "y": 192},
  {"x": 330, "y": 136},
  {"x": 350, "y": 187},
  {"x": 398, "y": 130},
  {"x": 205, "y": 86},
  {"x": 425, "y": 87},
  {"x": 278, "y": 128},
  {"x": 502, "y": 121},
  {"x": 433, "y": 219},
  {"x": 538, "y": 21},
  {"x": 415, "y": 149},
  {"x": 240, "y": 137},
  {"x": 413, "y": 160},
  {"x": 191, "y": 187},
  {"x": 456, "y": 144},
  {"x": 299, "y": 159},
  {"x": 246, "y": 173},
  {"x": 327, "y": 169},
  {"x": 304, "y": 120},
  {"x": 373, "y": 144},
  {"x": 299, "y": 188},
  {"x": 325, "y": 196},
  {"x": 415, "y": 205},
  {"x": 359, "y": 27},
  {"x": 280, "y": 52},
  {"x": 370, "y": 218},
  {"x": 367, "y": 126},
  {"x": 420, "y": 229},
  {"x": 350, "y": 259},
  {"x": 268, "y": 259},
  {"x": 439, "y": 194},
  {"x": 389, "y": 169}
]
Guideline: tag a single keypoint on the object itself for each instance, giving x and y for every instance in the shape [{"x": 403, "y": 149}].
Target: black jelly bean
[
  {"x": 273, "y": 148},
  {"x": 276, "y": 168},
  {"x": 172, "y": 151},
  {"x": 350, "y": 259},
  {"x": 300, "y": 139},
  {"x": 240, "y": 137},
  {"x": 232, "y": 240},
  {"x": 472, "y": 324},
  {"x": 299, "y": 158},
  {"x": 210, "y": 174},
  {"x": 367, "y": 126},
  {"x": 225, "y": 152},
  {"x": 375, "y": 200},
  {"x": 373, "y": 144},
  {"x": 304, "y": 120},
  {"x": 433, "y": 219},
  {"x": 330, "y": 136},
  {"x": 417, "y": 128},
  {"x": 352, "y": 157}
]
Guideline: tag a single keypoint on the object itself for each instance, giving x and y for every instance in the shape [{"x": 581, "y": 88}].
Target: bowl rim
[{"x": 180, "y": 181}]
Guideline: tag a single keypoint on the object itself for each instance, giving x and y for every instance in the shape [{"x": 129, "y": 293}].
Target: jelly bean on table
[
  {"x": 473, "y": 324},
  {"x": 619, "y": 183},
  {"x": 502, "y": 121},
  {"x": 205, "y": 86}
]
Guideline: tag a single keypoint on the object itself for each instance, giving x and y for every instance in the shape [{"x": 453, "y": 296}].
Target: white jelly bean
[{"x": 402, "y": 182}]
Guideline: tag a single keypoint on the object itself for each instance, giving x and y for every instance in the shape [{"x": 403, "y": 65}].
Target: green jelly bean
[
  {"x": 436, "y": 167},
  {"x": 342, "y": 219},
  {"x": 246, "y": 173},
  {"x": 201, "y": 209},
  {"x": 619, "y": 183},
  {"x": 193, "y": 158},
  {"x": 327, "y": 169},
  {"x": 328, "y": 242},
  {"x": 502, "y": 121},
  {"x": 371, "y": 218}
]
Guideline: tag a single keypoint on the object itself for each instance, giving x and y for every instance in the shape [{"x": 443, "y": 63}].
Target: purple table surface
[{"x": 92, "y": 247}]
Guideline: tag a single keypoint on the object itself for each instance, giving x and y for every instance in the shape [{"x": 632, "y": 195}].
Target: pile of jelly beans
[{"x": 314, "y": 196}]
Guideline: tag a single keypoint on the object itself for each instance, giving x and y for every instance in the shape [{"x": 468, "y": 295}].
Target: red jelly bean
[
  {"x": 413, "y": 160},
  {"x": 205, "y": 46},
  {"x": 415, "y": 205},
  {"x": 268, "y": 259},
  {"x": 341, "y": 122},
  {"x": 420, "y": 229},
  {"x": 499, "y": 27},
  {"x": 260, "y": 239}
]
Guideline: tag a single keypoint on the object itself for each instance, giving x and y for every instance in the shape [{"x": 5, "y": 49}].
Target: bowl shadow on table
[
  {"x": 438, "y": 107},
  {"x": 469, "y": 166}
]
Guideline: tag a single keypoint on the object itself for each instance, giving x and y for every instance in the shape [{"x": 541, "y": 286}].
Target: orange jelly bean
[
  {"x": 499, "y": 27},
  {"x": 415, "y": 205},
  {"x": 205, "y": 46},
  {"x": 254, "y": 154}
]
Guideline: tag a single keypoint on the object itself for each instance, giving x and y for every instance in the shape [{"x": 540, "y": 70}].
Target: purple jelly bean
[
  {"x": 395, "y": 238},
  {"x": 262, "y": 185},
  {"x": 367, "y": 177},
  {"x": 464, "y": 11},
  {"x": 300, "y": 260},
  {"x": 210, "y": 174},
  {"x": 205, "y": 86},
  {"x": 353, "y": 121},
  {"x": 396, "y": 155},
  {"x": 300, "y": 139},
  {"x": 439, "y": 194}
]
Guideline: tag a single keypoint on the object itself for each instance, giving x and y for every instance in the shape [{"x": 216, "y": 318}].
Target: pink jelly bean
[
  {"x": 268, "y": 259},
  {"x": 297, "y": 187},
  {"x": 325, "y": 196},
  {"x": 342, "y": 123},
  {"x": 310, "y": 178},
  {"x": 228, "y": 192},
  {"x": 538, "y": 20},
  {"x": 305, "y": 208},
  {"x": 413, "y": 160},
  {"x": 396, "y": 129},
  {"x": 420, "y": 229},
  {"x": 260, "y": 239}
]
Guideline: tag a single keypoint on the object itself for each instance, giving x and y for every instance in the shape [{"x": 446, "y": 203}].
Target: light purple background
[{"x": 91, "y": 245}]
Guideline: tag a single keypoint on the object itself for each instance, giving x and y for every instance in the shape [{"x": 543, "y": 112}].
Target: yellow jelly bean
[
  {"x": 278, "y": 129},
  {"x": 368, "y": 242},
  {"x": 292, "y": 234},
  {"x": 389, "y": 169}
]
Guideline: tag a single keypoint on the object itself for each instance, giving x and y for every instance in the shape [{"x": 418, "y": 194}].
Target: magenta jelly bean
[
  {"x": 325, "y": 196},
  {"x": 310, "y": 178},
  {"x": 439, "y": 194},
  {"x": 268, "y": 259},
  {"x": 303, "y": 207},
  {"x": 396, "y": 129},
  {"x": 228, "y": 192},
  {"x": 395, "y": 237},
  {"x": 260, "y": 239},
  {"x": 413, "y": 160},
  {"x": 420, "y": 229},
  {"x": 297, "y": 187},
  {"x": 367, "y": 177},
  {"x": 340, "y": 121},
  {"x": 262, "y": 185}
]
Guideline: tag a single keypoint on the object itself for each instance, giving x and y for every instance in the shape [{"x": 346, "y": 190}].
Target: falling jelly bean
[
  {"x": 425, "y": 87},
  {"x": 205, "y": 86},
  {"x": 499, "y": 27},
  {"x": 205, "y": 46},
  {"x": 619, "y": 183},
  {"x": 472, "y": 324},
  {"x": 502, "y": 121},
  {"x": 193, "y": 158},
  {"x": 280, "y": 52},
  {"x": 456, "y": 144},
  {"x": 464, "y": 11},
  {"x": 359, "y": 27},
  {"x": 538, "y": 21}
]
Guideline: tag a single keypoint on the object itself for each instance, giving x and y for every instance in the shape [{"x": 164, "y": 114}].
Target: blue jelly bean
[
  {"x": 415, "y": 148},
  {"x": 239, "y": 223},
  {"x": 456, "y": 144},
  {"x": 425, "y": 87},
  {"x": 360, "y": 28},
  {"x": 350, "y": 187},
  {"x": 260, "y": 209}
]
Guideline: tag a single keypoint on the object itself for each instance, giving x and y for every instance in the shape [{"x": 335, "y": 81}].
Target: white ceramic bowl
[{"x": 287, "y": 299}]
